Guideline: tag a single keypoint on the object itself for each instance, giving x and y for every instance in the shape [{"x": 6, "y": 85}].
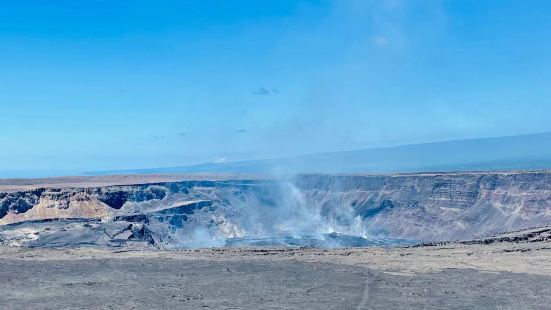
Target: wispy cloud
[
  {"x": 219, "y": 159},
  {"x": 261, "y": 92},
  {"x": 380, "y": 41}
]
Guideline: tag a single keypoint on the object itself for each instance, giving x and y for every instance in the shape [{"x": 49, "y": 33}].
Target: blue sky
[{"x": 117, "y": 84}]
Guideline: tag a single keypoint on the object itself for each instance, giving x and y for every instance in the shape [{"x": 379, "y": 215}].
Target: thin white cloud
[{"x": 381, "y": 41}]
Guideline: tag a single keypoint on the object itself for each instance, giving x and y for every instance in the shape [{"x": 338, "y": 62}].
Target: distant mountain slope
[{"x": 503, "y": 153}]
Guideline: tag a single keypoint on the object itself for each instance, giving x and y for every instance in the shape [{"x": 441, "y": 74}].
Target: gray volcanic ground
[{"x": 512, "y": 271}]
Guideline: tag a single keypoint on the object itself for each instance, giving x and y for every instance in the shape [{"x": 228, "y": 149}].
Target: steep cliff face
[
  {"x": 90, "y": 202},
  {"x": 438, "y": 206},
  {"x": 18, "y": 202},
  {"x": 421, "y": 207}
]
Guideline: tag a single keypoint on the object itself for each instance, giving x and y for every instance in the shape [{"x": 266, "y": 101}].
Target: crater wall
[{"x": 422, "y": 207}]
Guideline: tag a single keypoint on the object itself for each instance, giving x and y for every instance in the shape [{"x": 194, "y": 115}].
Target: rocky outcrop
[
  {"x": 91, "y": 202},
  {"x": 19, "y": 202}
]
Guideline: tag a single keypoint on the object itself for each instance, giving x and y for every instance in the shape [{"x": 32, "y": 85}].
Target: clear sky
[{"x": 117, "y": 84}]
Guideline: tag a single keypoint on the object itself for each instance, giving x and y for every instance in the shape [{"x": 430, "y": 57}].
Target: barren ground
[
  {"x": 453, "y": 276},
  {"x": 19, "y": 184}
]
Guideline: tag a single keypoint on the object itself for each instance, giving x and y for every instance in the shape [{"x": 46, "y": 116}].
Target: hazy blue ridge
[{"x": 503, "y": 153}]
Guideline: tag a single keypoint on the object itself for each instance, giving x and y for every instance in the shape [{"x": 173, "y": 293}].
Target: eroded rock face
[
  {"x": 422, "y": 207},
  {"x": 19, "y": 202},
  {"x": 116, "y": 196},
  {"x": 438, "y": 206},
  {"x": 94, "y": 202}
]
